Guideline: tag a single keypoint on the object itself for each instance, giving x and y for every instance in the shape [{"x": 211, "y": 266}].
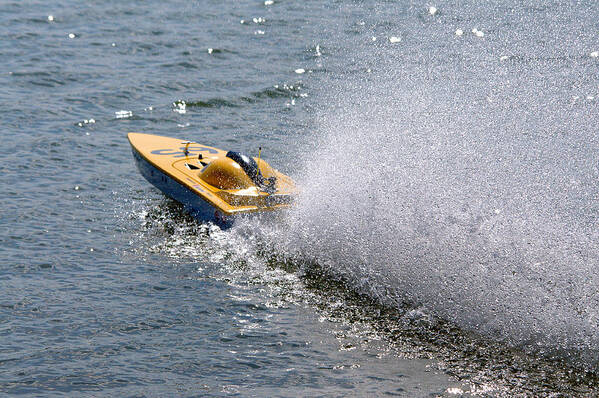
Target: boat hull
[{"x": 198, "y": 207}]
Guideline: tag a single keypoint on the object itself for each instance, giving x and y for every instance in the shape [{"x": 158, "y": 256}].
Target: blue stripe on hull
[{"x": 197, "y": 206}]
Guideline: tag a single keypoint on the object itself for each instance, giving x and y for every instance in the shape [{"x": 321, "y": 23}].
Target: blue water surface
[{"x": 107, "y": 288}]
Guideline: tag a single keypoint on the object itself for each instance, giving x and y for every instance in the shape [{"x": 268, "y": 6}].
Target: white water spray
[
  {"x": 460, "y": 179},
  {"x": 479, "y": 203}
]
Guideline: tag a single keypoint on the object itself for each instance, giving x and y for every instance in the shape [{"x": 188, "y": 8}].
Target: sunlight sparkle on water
[
  {"x": 123, "y": 114},
  {"x": 86, "y": 121},
  {"x": 180, "y": 107}
]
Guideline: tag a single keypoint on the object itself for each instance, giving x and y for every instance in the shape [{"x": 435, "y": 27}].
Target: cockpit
[{"x": 239, "y": 171}]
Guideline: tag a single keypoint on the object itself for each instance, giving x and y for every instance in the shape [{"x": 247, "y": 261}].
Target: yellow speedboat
[{"x": 213, "y": 184}]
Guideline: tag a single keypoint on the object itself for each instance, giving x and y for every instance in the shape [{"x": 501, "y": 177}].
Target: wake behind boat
[{"x": 215, "y": 185}]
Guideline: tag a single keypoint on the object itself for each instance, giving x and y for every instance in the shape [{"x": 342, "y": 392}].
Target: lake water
[{"x": 445, "y": 242}]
